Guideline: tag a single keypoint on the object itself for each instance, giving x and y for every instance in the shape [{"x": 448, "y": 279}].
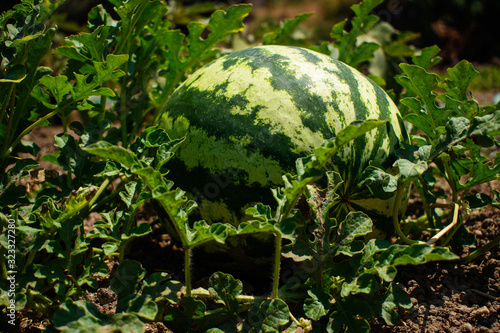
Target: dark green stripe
[
  {"x": 284, "y": 79},
  {"x": 210, "y": 110}
]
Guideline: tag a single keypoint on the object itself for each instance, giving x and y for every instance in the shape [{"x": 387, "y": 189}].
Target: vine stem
[
  {"x": 277, "y": 266},
  {"x": 187, "y": 270},
  {"x": 28, "y": 130},
  {"x": 482, "y": 250},
  {"x": 203, "y": 293},
  {"x": 395, "y": 214},
  {"x": 440, "y": 234}
]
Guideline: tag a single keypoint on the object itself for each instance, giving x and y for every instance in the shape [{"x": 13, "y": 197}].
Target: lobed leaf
[
  {"x": 349, "y": 52},
  {"x": 141, "y": 305},
  {"x": 226, "y": 288},
  {"x": 283, "y": 35},
  {"x": 318, "y": 305},
  {"x": 427, "y": 57},
  {"x": 461, "y": 76},
  {"x": 267, "y": 316},
  {"x": 107, "y": 150},
  {"x": 127, "y": 281},
  {"x": 83, "y": 316}
]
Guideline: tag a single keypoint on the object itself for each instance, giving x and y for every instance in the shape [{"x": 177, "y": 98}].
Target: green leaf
[
  {"x": 380, "y": 183},
  {"x": 488, "y": 125},
  {"x": 71, "y": 312},
  {"x": 94, "y": 267},
  {"x": 355, "y": 224},
  {"x": 414, "y": 254},
  {"x": 395, "y": 297},
  {"x": 138, "y": 231},
  {"x": 400, "y": 47},
  {"x": 346, "y": 42},
  {"x": 422, "y": 123},
  {"x": 227, "y": 288},
  {"x": 160, "y": 284},
  {"x": 283, "y": 36},
  {"x": 58, "y": 86},
  {"x": 21, "y": 168},
  {"x": 363, "y": 52},
  {"x": 267, "y": 316},
  {"x": 109, "y": 69},
  {"x": 318, "y": 305},
  {"x": 427, "y": 57},
  {"x": 128, "y": 195},
  {"x": 202, "y": 232},
  {"x": 87, "y": 46},
  {"x": 221, "y": 25},
  {"x": 419, "y": 81},
  {"x": 255, "y": 227},
  {"x": 76, "y": 202},
  {"x": 357, "y": 129},
  {"x": 347, "y": 318},
  {"x": 99, "y": 17},
  {"x": 153, "y": 178},
  {"x": 128, "y": 278},
  {"x": 107, "y": 150},
  {"x": 365, "y": 283},
  {"x": 110, "y": 247},
  {"x": 460, "y": 128},
  {"x": 189, "y": 308},
  {"x": 27, "y": 147},
  {"x": 47, "y": 8},
  {"x": 478, "y": 200},
  {"x": 461, "y": 76},
  {"x": 142, "y": 306},
  {"x": 84, "y": 317},
  {"x": 15, "y": 74},
  {"x": 409, "y": 169},
  {"x": 176, "y": 207}
]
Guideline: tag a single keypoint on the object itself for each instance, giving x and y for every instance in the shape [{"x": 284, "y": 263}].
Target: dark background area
[{"x": 463, "y": 29}]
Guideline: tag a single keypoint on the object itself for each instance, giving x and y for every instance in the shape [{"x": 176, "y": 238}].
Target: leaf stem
[
  {"x": 187, "y": 270},
  {"x": 450, "y": 179},
  {"x": 8, "y": 99},
  {"x": 446, "y": 229},
  {"x": 27, "y": 130},
  {"x": 395, "y": 213},
  {"x": 482, "y": 250},
  {"x": 136, "y": 15},
  {"x": 428, "y": 212},
  {"x": 277, "y": 265},
  {"x": 123, "y": 112},
  {"x": 203, "y": 293}
]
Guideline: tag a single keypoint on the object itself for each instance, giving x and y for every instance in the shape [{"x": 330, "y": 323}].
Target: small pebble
[
  {"x": 483, "y": 311},
  {"x": 467, "y": 327}
]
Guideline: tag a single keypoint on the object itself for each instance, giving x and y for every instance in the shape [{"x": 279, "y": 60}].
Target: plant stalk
[
  {"x": 28, "y": 130},
  {"x": 277, "y": 266},
  {"x": 203, "y": 293},
  {"x": 482, "y": 250},
  {"x": 395, "y": 214},
  {"x": 447, "y": 228},
  {"x": 187, "y": 269}
]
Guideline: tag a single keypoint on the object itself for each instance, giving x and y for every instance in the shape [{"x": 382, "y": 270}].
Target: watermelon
[{"x": 248, "y": 116}]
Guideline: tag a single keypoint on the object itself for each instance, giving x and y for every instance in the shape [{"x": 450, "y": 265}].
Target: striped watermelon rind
[{"x": 249, "y": 115}]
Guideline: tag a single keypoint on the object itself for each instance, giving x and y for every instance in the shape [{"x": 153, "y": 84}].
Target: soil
[
  {"x": 455, "y": 298},
  {"x": 446, "y": 297}
]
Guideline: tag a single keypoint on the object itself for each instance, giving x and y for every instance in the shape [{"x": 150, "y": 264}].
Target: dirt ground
[
  {"x": 451, "y": 297},
  {"x": 446, "y": 297}
]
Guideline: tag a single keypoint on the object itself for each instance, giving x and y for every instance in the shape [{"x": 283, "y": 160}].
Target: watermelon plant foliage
[{"x": 329, "y": 273}]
